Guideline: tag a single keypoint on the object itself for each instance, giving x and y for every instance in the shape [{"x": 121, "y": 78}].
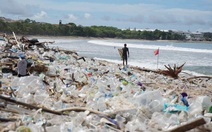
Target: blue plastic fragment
[
  {"x": 173, "y": 108},
  {"x": 185, "y": 102}
]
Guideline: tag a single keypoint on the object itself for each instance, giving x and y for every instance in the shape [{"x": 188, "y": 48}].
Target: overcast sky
[{"x": 184, "y": 15}]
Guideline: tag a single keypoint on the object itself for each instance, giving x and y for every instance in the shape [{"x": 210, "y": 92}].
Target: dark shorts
[{"x": 124, "y": 57}]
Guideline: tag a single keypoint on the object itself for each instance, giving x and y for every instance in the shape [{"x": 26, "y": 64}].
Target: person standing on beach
[{"x": 125, "y": 54}]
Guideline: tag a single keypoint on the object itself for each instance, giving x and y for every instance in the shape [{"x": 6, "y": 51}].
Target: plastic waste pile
[{"x": 84, "y": 94}]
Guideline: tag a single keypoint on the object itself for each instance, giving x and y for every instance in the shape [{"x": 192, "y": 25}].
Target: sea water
[{"x": 197, "y": 56}]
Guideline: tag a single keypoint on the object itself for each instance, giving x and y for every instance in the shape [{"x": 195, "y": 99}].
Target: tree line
[{"x": 31, "y": 27}]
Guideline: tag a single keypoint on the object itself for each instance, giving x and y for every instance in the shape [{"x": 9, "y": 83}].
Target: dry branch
[
  {"x": 172, "y": 72},
  {"x": 196, "y": 77},
  {"x": 7, "y": 119}
]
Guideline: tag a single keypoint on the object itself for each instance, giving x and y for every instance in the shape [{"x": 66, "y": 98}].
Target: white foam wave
[
  {"x": 145, "y": 46},
  {"x": 192, "y": 73}
]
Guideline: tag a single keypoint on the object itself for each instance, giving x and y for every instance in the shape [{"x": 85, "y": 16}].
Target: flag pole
[
  {"x": 157, "y": 60},
  {"x": 156, "y": 52}
]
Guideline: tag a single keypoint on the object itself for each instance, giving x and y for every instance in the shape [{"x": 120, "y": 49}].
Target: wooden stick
[
  {"x": 189, "y": 126},
  {"x": 195, "y": 77},
  {"x": 58, "y": 112},
  {"x": 8, "y": 110},
  {"x": 15, "y": 39},
  {"x": 7, "y": 119},
  {"x": 29, "y": 105},
  {"x": 12, "y": 91},
  {"x": 83, "y": 109}
]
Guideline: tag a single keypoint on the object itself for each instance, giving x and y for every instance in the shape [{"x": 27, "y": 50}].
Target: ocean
[{"x": 197, "y": 56}]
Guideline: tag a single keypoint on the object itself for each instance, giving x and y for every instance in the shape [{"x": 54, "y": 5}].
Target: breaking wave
[{"x": 147, "y": 46}]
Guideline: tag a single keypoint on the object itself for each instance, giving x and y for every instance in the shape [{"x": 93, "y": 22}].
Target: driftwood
[
  {"x": 9, "y": 110},
  {"x": 58, "y": 112},
  {"x": 79, "y": 109},
  {"x": 172, "y": 72},
  {"x": 196, "y": 77},
  {"x": 29, "y": 105},
  {"x": 143, "y": 69},
  {"x": 189, "y": 126},
  {"x": 67, "y": 51},
  {"x": 7, "y": 119}
]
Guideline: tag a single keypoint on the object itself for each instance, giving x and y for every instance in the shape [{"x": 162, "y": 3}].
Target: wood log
[
  {"x": 40, "y": 43},
  {"x": 65, "y": 51},
  {"x": 57, "y": 112},
  {"x": 189, "y": 126},
  {"x": 196, "y": 77},
  {"x": 29, "y": 105},
  {"x": 9, "y": 110},
  {"x": 79, "y": 109},
  {"x": 7, "y": 119},
  {"x": 172, "y": 72}
]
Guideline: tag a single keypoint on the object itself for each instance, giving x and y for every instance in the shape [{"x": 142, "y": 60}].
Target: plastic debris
[{"x": 65, "y": 92}]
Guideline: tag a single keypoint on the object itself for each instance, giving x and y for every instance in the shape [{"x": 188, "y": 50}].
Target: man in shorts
[{"x": 125, "y": 54}]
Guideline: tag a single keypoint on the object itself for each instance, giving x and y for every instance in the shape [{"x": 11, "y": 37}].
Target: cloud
[
  {"x": 121, "y": 14},
  {"x": 87, "y": 15},
  {"x": 17, "y": 8},
  {"x": 143, "y": 13},
  {"x": 40, "y": 15},
  {"x": 172, "y": 16},
  {"x": 72, "y": 17},
  {"x": 140, "y": 12}
]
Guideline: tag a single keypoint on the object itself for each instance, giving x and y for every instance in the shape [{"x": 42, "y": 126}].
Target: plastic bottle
[
  {"x": 120, "y": 120},
  {"x": 66, "y": 127},
  {"x": 200, "y": 104},
  {"x": 155, "y": 106},
  {"x": 23, "y": 129}
]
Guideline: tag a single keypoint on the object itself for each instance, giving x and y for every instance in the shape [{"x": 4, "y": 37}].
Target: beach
[{"x": 94, "y": 94}]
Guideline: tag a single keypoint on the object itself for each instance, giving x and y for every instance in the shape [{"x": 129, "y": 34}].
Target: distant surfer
[{"x": 125, "y": 54}]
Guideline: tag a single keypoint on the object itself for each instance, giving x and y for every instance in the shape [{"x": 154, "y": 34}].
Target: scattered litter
[{"x": 65, "y": 92}]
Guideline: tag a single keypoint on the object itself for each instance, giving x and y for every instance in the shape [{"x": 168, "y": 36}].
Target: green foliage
[
  {"x": 31, "y": 27},
  {"x": 208, "y": 36}
]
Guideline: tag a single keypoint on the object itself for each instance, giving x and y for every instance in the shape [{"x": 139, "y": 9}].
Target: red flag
[{"x": 156, "y": 52}]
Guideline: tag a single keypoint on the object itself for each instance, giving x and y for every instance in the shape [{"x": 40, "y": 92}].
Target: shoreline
[{"x": 78, "y": 37}]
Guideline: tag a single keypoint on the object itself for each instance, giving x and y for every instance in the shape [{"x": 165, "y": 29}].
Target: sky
[{"x": 180, "y": 15}]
